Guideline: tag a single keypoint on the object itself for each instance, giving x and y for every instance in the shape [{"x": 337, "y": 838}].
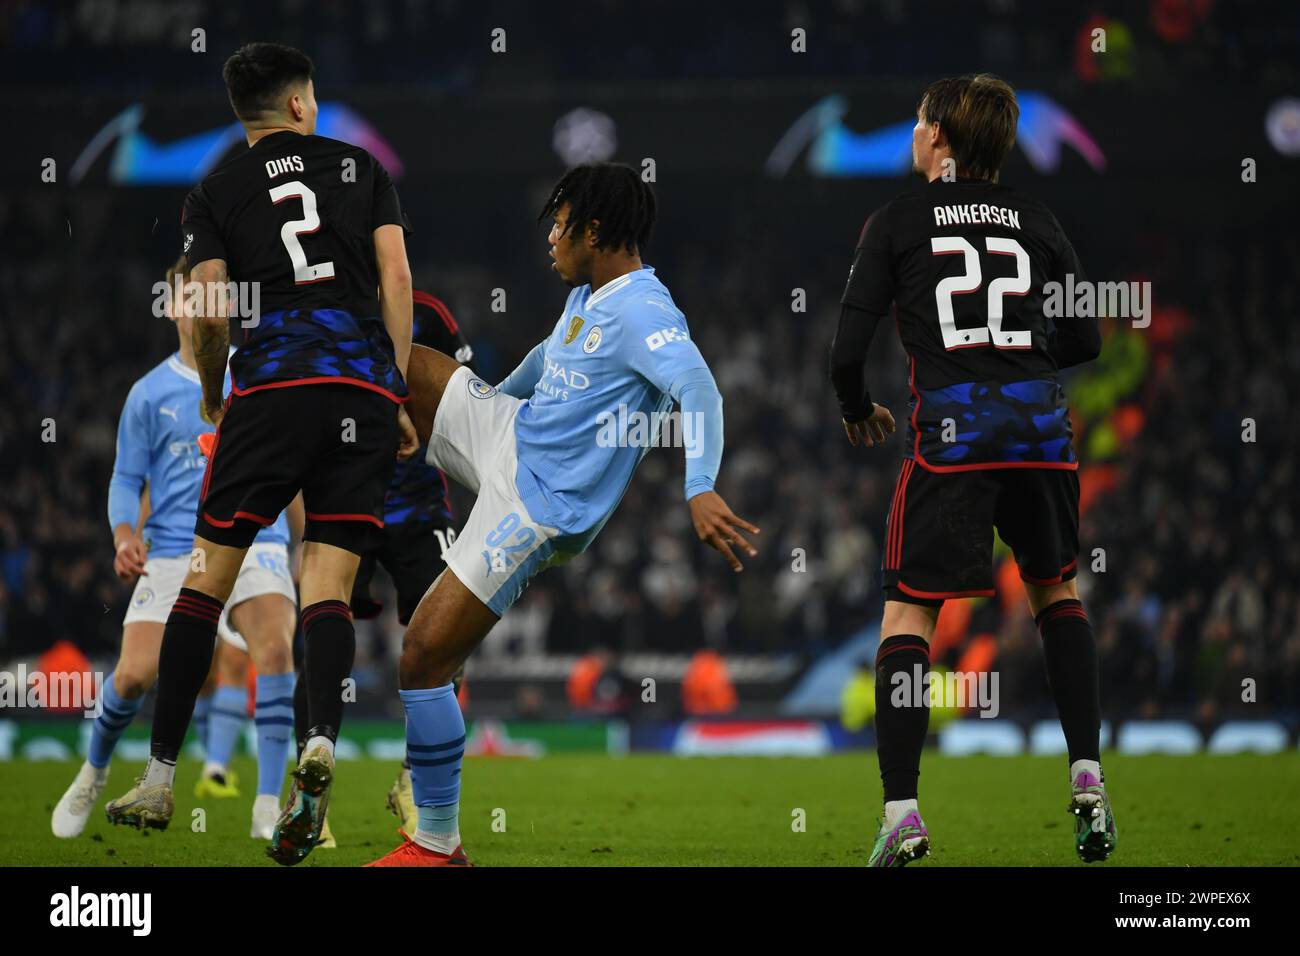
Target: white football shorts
[
  {"x": 501, "y": 547},
  {"x": 265, "y": 571}
]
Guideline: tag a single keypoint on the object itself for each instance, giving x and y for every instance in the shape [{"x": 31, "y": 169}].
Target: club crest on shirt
[
  {"x": 575, "y": 326},
  {"x": 592, "y": 341},
  {"x": 480, "y": 389}
]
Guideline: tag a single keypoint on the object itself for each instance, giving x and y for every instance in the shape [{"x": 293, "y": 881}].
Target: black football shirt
[
  {"x": 296, "y": 215},
  {"x": 964, "y": 265}
]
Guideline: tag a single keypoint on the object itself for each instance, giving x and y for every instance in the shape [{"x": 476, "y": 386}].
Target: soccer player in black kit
[
  {"x": 317, "y": 388},
  {"x": 963, "y": 260}
]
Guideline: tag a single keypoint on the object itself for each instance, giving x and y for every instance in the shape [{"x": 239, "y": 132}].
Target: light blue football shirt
[
  {"x": 157, "y": 441},
  {"x": 614, "y": 352}
]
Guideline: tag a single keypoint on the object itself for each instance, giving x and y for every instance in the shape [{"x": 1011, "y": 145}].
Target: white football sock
[
  {"x": 895, "y": 810},
  {"x": 439, "y": 828},
  {"x": 438, "y": 842},
  {"x": 159, "y": 772},
  {"x": 1090, "y": 766},
  {"x": 314, "y": 742}
]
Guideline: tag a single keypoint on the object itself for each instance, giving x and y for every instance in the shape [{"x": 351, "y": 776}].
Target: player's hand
[
  {"x": 879, "y": 425},
  {"x": 717, "y": 527},
  {"x": 211, "y": 415},
  {"x": 408, "y": 441},
  {"x": 128, "y": 563}
]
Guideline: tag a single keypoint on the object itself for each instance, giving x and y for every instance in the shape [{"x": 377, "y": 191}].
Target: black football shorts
[
  {"x": 411, "y": 553},
  {"x": 336, "y": 443},
  {"x": 939, "y": 533}
]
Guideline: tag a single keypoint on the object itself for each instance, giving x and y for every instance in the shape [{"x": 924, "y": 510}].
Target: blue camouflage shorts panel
[{"x": 992, "y": 423}]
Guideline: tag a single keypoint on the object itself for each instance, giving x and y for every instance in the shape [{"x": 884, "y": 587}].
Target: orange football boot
[{"x": 411, "y": 853}]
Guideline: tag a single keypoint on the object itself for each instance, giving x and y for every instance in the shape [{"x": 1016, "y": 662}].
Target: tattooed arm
[{"x": 211, "y": 335}]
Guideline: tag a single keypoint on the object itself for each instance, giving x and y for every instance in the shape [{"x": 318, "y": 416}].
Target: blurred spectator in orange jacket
[
  {"x": 596, "y": 684},
  {"x": 706, "y": 688},
  {"x": 586, "y": 673}
]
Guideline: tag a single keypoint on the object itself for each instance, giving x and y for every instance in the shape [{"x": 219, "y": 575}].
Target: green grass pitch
[{"x": 569, "y": 810}]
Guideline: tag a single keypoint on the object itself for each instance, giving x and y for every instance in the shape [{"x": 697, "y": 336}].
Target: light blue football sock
[
  {"x": 273, "y": 718},
  {"x": 435, "y": 746},
  {"x": 229, "y": 711},
  {"x": 109, "y": 726},
  {"x": 202, "y": 709},
  {"x": 443, "y": 822}
]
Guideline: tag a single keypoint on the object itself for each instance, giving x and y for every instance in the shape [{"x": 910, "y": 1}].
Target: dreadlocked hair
[{"x": 613, "y": 196}]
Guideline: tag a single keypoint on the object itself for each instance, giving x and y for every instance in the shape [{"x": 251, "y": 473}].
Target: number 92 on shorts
[{"x": 501, "y": 547}]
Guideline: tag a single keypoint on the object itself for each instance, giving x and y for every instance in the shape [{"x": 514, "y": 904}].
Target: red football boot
[{"x": 411, "y": 853}]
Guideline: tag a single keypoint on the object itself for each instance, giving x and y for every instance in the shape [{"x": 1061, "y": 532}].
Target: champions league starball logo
[
  {"x": 835, "y": 150},
  {"x": 137, "y": 159}
]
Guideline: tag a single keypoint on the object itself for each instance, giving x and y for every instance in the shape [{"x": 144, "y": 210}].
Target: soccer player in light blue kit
[
  {"x": 158, "y": 447},
  {"x": 539, "y": 453}
]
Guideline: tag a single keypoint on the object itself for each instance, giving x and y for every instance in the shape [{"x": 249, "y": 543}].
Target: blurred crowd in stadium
[
  {"x": 443, "y": 42},
  {"x": 1197, "y": 527}
]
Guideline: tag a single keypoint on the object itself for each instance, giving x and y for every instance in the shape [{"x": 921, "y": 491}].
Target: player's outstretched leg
[
  {"x": 121, "y": 697},
  {"x": 427, "y": 374},
  {"x": 1070, "y": 653},
  {"x": 447, "y": 626},
  {"x": 901, "y": 728}
]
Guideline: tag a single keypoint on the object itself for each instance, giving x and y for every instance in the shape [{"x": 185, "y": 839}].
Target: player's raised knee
[{"x": 427, "y": 374}]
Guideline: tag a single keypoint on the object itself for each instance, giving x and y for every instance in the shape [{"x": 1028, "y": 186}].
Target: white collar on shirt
[
  {"x": 609, "y": 288},
  {"x": 180, "y": 368}
]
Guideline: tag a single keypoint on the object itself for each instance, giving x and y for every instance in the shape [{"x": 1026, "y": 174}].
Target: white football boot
[
  {"x": 266, "y": 810},
  {"x": 75, "y": 806}
]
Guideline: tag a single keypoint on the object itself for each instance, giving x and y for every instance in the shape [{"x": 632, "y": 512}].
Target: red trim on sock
[
  {"x": 198, "y": 605},
  {"x": 1069, "y": 607},
  {"x": 916, "y": 645},
  {"x": 325, "y": 608}
]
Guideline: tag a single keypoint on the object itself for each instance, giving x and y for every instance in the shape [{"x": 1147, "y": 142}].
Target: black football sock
[
  {"x": 331, "y": 646},
  {"x": 189, "y": 639},
  {"x": 901, "y": 730},
  {"x": 1071, "y": 656}
]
